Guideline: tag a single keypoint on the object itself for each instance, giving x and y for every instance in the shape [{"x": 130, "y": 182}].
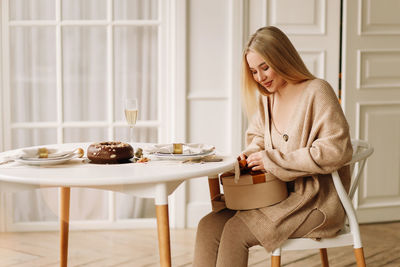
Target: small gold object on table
[
  {"x": 178, "y": 148},
  {"x": 43, "y": 152}
]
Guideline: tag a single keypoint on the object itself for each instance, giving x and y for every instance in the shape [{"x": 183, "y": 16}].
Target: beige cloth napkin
[
  {"x": 188, "y": 149},
  {"x": 33, "y": 153}
]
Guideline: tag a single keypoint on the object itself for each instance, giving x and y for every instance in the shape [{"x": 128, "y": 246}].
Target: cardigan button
[{"x": 285, "y": 137}]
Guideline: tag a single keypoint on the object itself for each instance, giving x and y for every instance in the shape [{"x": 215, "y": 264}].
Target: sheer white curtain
[{"x": 85, "y": 67}]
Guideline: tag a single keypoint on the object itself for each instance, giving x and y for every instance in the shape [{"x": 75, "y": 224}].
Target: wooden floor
[{"x": 139, "y": 248}]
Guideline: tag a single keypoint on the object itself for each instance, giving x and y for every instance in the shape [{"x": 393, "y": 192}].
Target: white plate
[
  {"x": 181, "y": 156},
  {"x": 67, "y": 155},
  {"x": 46, "y": 161}
]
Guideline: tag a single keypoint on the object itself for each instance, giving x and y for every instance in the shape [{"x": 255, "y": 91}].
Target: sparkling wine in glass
[{"x": 131, "y": 114}]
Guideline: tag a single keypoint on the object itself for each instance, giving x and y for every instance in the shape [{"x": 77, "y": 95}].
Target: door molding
[
  {"x": 237, "y": 30},
  {"x": 177, "y": 80}
]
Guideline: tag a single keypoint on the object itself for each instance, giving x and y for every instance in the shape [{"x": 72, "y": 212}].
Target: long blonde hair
[{"x": 279, "y": 54}]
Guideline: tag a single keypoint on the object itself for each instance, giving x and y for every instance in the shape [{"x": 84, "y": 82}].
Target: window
[
  {"x": 67, "y": 66},
  {"x": 71, "y": 63}
]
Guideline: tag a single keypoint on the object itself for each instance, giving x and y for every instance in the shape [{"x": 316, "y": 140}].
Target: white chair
[{"x": 350, "y": 235}]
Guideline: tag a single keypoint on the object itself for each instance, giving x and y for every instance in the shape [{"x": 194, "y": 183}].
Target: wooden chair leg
[
  {"x": 64, "y": 225},
  {"x": 359, "y": 253},
  {"x": 163, "y": 235},
  {"x": 275, "y": 261},
  {"x": 324, "y": 257}
]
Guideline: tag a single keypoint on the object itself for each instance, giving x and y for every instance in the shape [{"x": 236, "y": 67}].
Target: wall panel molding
[
  {"x": 208, "y": 95},
  {"x": 380, "y": 184},
  {"x": 378, "y": 68},
  {"x": 315, "y": 61},
  {"x": 303, "y": 17},
  {"x": 377, "y": 18}
]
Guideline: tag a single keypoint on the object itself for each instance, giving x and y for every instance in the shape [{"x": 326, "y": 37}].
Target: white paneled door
[
  {"x": 370, "y": 84},
  {"x": 371, "y": 97}
]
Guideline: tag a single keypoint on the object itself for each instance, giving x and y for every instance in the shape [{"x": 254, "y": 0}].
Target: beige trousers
[{"x": 223, "y": 239}]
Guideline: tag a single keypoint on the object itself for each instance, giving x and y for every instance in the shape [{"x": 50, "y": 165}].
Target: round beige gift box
[{"x": 252, "y": 191}]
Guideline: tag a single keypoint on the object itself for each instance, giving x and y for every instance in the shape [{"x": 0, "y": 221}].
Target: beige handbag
[{"x": 254, "y": 189}]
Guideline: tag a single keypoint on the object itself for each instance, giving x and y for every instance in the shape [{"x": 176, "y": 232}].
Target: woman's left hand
[{"x": 255, "y": 161}]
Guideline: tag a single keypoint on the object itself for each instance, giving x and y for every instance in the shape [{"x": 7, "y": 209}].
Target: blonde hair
[{"x": 279, "y": 54}]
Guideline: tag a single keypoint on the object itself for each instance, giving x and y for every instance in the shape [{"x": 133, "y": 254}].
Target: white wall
[
  {"x": 1, "y": 84},
  {"x": 2, "y": 208},
  {"x": 208, "y": 77},
  {"x": 214, "y": 114}
]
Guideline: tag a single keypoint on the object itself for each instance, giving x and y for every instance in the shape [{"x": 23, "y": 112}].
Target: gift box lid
[{"x": 247, "y": 179}]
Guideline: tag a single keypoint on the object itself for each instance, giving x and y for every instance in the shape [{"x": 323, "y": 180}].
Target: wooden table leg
[
  {"x": 64, "y": 225},
  {"x": 163, "y": 235}
]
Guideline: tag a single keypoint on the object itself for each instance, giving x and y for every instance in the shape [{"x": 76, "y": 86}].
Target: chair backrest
[{"x": 361, "y": 151}]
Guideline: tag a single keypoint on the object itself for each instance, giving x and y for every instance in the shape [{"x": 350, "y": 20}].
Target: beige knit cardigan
[{"x": 319, "y": 143}]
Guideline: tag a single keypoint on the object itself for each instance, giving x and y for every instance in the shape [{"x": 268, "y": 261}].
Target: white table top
[{"x": 78, "y": 173}]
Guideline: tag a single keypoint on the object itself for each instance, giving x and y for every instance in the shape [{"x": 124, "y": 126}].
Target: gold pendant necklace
[{"x": 285, "y": 137}]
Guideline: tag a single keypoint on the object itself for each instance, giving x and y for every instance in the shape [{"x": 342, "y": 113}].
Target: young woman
[{"x": 297, "y": 132}]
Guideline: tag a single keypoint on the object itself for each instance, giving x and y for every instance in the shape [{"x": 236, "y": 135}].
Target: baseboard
[
  {"x": 378, "y": 214},
  {"x": 95, "y": 225}
]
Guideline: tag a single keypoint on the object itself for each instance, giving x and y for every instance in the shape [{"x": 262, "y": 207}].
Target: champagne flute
[{"x": 131, "y": 114}]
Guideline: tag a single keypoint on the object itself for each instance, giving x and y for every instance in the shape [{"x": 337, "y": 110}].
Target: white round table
[{"x": 154, "y": 179}]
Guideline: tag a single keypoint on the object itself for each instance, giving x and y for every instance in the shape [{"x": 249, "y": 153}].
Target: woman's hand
[
  {"x": 255, "y": 161},
  {"x": 242, "y": 156}
]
